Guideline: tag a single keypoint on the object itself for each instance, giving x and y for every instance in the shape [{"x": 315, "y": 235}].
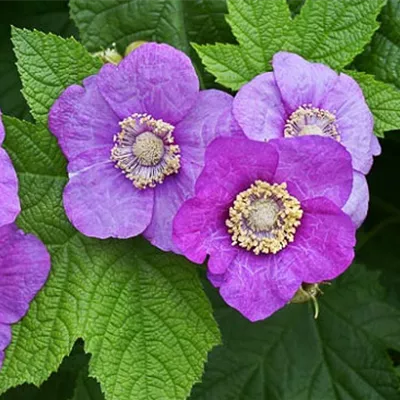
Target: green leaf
[
  {"x": 341, "y": 355},
  {"x": 142, "y": 313},
  {"x": 171, "y": 21},
  {"x": 382, "y": 56},
  {"x": 382, "y": 99},
  {"x": 176, "y": 22},
  {"x": 47, "y": 64},
  {"x": 46, "y": 16},
  {"x": 331, "y": 32}
]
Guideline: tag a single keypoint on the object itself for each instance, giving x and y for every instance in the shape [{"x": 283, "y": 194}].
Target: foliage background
[{"x": 351, "y": 352}]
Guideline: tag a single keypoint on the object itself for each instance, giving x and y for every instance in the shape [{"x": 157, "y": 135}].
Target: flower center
[
  {"x": 264, "y": 218},
  {"x": 308, "y": 120},
  {"x": 148, "y": 149},
  {"x": 145, "y": 151}
]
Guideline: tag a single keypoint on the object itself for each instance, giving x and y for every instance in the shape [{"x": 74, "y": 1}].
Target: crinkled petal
[
  {"x": 314, "y": 166},
  {"x": 24, "y": 268},
  {"x": 324, "y": 243},
  {"x": 257, "y": 286},
  {"x": 301, "y": 82},
  {"x": 259, "y": 110},
  {"x": 233, "y": 164},
  {"x": 101, "y": 202},
  {"x": 354, "y": 121},
  {"x": 82, "y": 120},
  {"x": 155, "y": 79},
  {"x": 199, "y": 230},
  {"x": 211, "y": 117},
  {"x": 357, "y": 204},
  {"x": 5, "y": 340},
  {"x": 9, "y": 200}
]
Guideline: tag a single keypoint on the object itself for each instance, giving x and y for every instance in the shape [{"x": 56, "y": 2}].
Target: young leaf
[
  {"x": 47, "y": 65},
  {"x": 341, "y": 355},
  {"x": 325, "y": 31},
  {"x": 382, "y": 56}
]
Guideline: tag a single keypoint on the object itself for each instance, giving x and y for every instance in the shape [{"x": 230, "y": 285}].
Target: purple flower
[
  {"x": 135, "y": 136},
  {"x": 24, "y": 267},
  {"x": 24, "y": 261},
  {"x": 9, "y": 200},
  {"x": 269, "y": 216},
  {"x": 301, "y": 98}
]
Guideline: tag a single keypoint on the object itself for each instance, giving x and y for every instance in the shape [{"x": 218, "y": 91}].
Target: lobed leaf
[{"x": 330, "y": 32}]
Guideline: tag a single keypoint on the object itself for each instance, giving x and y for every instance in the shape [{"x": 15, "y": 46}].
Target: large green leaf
[
  {"x": 142, "y": 313},
  {"x": 382, "y": 56},
  {"x": 341, "y": 355},
  {"x": 177, "y": 22},
  {"x": 332, "y": 32}
]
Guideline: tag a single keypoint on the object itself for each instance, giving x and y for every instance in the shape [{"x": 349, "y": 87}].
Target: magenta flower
[
  {"x": 135, "y": 136},
  {"x": 9, "y": 200},
  {"x": 269, "y": 216},
  {"x": 24, "y": 260},
  {"x": 301, "y": 98}
]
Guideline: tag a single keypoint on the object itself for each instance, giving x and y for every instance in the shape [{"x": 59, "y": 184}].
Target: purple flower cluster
[
  {"x": 24, "y": 260},
  {"x": 269, "y": 185}
]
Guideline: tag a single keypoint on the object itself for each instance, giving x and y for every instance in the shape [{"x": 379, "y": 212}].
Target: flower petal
[
  {"x": 24, "y": 267},
  {"x": 232, "y": 165},
  {"x": 9, "y": 200},
  {"x": 357, "y": 204},
  {"x": 354, "y": 121},
  {"x": 199, "y": 230},
  {"x": 101, "y": 202},
  {"x": 211, "y": 117},
  {"x": 257, "y": 286},
  {"x": 155, "y": 79},
  {"x": 82, "y": 120},
  {"x": 259, "y": 110},
  {"x": 314, "y": 166},
  {"x": 168, "y": 197},
  {"x": 324, "y": 242},
  {"x": 301, "y": 82}
]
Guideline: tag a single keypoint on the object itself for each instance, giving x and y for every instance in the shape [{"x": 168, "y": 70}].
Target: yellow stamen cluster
[
  {"x": 264, "y": 218},
  {"x": 145, "y": 151},
  {"x": 308, "y": 120}
]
